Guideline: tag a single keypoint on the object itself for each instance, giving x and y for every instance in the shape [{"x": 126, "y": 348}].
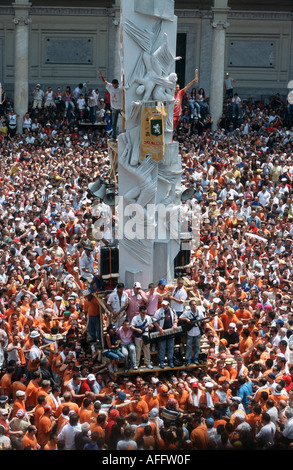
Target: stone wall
[{"x": 259, "y": 47}]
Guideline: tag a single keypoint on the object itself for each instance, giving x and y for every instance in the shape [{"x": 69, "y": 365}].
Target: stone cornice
[
  {"x": 109, "y": 12},
  {"x": 260, "y": 15}
]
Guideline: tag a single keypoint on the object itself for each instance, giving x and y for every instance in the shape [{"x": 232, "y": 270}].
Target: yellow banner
[{"x": 153, "y": 119}]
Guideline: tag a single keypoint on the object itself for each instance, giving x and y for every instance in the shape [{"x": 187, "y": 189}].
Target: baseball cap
[
  {"x": 137, "y": 284},
  {"x": 165, "y": 302},
  {"x": 121, "y": 395},
  {"x": 163, "y": 282},
  {"x": 114, "y": 413}
]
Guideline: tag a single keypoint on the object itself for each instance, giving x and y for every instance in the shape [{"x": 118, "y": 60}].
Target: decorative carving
[
  {"x": 220, "y": 24},
  {"x": 21, "y": 20}
]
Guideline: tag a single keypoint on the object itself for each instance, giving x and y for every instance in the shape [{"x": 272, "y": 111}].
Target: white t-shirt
[{"x": 115, "y": 96}]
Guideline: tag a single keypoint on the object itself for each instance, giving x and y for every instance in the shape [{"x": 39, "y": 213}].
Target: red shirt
[{"x": 178, "y": 102}]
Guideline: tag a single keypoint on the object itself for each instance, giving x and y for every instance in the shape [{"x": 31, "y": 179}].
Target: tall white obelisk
[{"x": 149, "y": 165}]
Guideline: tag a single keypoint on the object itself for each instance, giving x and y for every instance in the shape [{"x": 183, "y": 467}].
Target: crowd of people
[{"x": 62, "y": 344}]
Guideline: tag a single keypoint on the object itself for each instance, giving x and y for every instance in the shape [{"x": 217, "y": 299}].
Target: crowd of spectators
[{"x": 63, "y": 394}]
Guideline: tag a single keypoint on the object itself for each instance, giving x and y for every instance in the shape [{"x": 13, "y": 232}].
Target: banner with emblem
[{"x": 153, "y": 119}]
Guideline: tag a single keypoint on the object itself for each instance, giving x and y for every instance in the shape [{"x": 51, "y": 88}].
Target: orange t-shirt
[
  {"x": 32, "y": 442},
  {"x": 5, "y": 384},
  {"x": 17, "y": 405},
  {"x": 39, "y": 411},
  {"x": 227, "y": 319},
  {"x": 140, "y": 408},
  {"x": 92, "y": 307},
  {"x": 152, "y": 402},
  {"x": 30, "y": 393},
  {"x": 182, "y": 400},
  {"x": 85, "y": 415},
  {"x": 244, "y": 344},
  {"x": 44, "y": 430},
  {"x": 15, "y": 386},
  {"x": 199, "y": 437},
  {"x": 72, "y": 406},
  {"x": 50, "y": 446},
  {"x": 96, "y": 428}
]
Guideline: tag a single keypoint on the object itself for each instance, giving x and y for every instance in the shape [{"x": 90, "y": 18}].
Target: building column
[
  {"x": 117, "y": 44},
  {"x": 21, "y": 58},
  {"x": 219, "y": 25}
]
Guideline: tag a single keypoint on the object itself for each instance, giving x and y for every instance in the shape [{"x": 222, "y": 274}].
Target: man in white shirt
[
  {"x": 117, "y": 304},
  {"x": 288, "y": 428},
  {"x": 265, "y": 436},
  {"x": 193, "y": 336},
  {"x": 116, "y": 101},
  {"x": 86, "y": 262},
  {"x": 264, "y": 196},
  {"x": 69, "y": 431},
  {"x": 140, "y": 326},
  {"x": 178, "y": 297}
]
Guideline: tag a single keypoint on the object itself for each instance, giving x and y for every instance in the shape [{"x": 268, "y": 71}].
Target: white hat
[
  {"x": 217, "y": 300},
  {"x": 87, "y": 292},
  {"x": 232, "y": 325},
  {"x": 209, "y": 384},
  {"x": 137, "y": 284},
  {"x": 91, "y": 377},
  {"x": 34, "y": 334},
  {"x": 165, "y": 302}
]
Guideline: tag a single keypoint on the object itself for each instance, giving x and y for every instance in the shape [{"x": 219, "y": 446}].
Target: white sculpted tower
[{"x": 149, "y": 165}]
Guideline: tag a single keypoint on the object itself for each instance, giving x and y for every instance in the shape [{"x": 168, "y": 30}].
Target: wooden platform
[{"x": 159, "y": 371}]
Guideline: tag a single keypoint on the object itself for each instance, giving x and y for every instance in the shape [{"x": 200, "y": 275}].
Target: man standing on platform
[
  {"x": 92, "y": 308},
  {"x": 137, "y": 297},
  {"x": 116, "y": 101},
  {"x": 117, "y": 304},
  {"x": 178, "y": 297},
  {"x": 193, "y": 335},
  {"x": 165, "y": 318},
  {"x": 178, "y": 96},
  {"x": 140, "y": 325},
  {"x": 125, "y": 334}
]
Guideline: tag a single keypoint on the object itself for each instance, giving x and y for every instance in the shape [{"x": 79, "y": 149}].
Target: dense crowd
[{"x": 59, "y": 388}]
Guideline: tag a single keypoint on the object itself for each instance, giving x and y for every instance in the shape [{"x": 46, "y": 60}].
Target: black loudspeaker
[
  {"x": 109, "y": 262},
  {"x": 180, "y": 262}
]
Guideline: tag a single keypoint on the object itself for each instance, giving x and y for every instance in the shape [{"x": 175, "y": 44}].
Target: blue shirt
[{"x": 244, "y": 392}]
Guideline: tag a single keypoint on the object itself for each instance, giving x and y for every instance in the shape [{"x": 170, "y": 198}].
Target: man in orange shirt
[
  {"x": 199, "y": 434},
  {"x": 18, "y": 402},
  {"x": 18, "y": 384},
  {"x": 227, "y": 317},
  {"x": 29, "y": 440},
  {"x": 86, "y": 411},
  {"x": 138, "y": 405},
  {"x": 31, "y": 391},
  {"x": 6, "y": 382},
  {"x": 245, "y": 341},
  {"x": 150, "y": 399},
  {"x": 181, "y": 396},
  {"x": 163, "y": 396},
  {"x": 242, "y": 314},
  {"x": 39, "y": 409},
  {"x": 99, "y": 425},
  {"x": 46, "y": 424},
  {"x": 91, "y": 307},
  {"x": 67, "y": 401}
]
